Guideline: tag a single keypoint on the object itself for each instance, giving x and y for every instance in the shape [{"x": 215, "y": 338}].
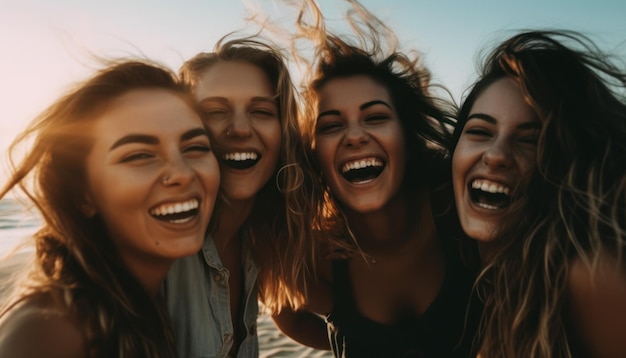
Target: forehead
[
  {"x": 352, "y": 91},
  {"x": 147, "y": 111},
  {"x": 233, "y": 79},
  {"x": 504, "y": 101}
]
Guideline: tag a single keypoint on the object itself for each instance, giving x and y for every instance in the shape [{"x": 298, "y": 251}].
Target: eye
[
  {"x": 214, "y": 114},
  {"x": 532, "y": 139},
  {"x": 136, "y": 157},
  {"x": 477, "y": 131},
  {"x": 377, "y": 118},
  {"x": 198, "y": 148},
  {"x": 328, "y": 127},
  {"x": 263, "y": 112}
]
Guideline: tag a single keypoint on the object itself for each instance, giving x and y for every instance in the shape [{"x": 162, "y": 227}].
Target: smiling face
[
  {"x": 242, "y": 115},
  {"x": 359, "y": 143},
  {"x": 496, "y": 146},
  {"x": 141, "y": 138}
]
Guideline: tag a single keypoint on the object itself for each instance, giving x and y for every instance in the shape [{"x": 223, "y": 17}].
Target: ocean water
[{"x": 17, "y": 224}]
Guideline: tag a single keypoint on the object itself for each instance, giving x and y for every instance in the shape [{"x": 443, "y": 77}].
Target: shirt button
[
  {"x": 217, "y": 277},
  {"x": 226, "y": 338}
]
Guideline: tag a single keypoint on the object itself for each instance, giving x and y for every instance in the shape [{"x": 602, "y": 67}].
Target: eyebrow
[
  {"x": 361, "y": 107},
  {"x": 152, "y": 140},
  {"x": 490, "y": 119}
]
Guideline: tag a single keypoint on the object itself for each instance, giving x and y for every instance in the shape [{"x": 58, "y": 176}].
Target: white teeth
[
  {"x": 362, "y": 163},
  {"x": 490, "y": 187},
  {"x": 240, "y": 156},
  {"x": 167, "y": 209}
]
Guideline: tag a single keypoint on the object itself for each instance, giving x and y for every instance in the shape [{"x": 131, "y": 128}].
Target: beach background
[{"x": 17, "y": 224}]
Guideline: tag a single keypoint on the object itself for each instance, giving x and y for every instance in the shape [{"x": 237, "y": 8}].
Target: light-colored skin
[
  {"x": 498, "y": 144},
  {"x": 141, "y": 138},
  {"x": 242, "y": 115},
  {"x": 357, "y": 120}
]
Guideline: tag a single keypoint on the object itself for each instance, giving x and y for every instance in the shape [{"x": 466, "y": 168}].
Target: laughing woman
[
  {"x": 390, "y": 281},
  {"x": 539, "y": 175},
  {"x": 248, "y": 103},
  {"x": 125, "y": 179}
]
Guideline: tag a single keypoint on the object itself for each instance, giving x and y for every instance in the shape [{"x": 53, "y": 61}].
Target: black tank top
[{"x": 446, "y": 329}]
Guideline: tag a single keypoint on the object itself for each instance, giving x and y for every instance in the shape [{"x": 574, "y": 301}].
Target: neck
[
  {"x": 150, "y": 273},
  {"x": 231, "y": 219},
  {"x": 390, "y": 225}
]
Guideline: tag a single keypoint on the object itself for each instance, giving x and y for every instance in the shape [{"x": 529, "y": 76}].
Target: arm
[
  {"x": 304, "y": 327},
  {"x": 307, "y": 325},
  {"x": 598, "y": 306}
]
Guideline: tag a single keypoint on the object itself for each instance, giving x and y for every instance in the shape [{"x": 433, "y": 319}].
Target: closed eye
[
  {"x": 377, "y": 118},
  {"x": 136, "y": 157},
  {"x": 198, "y": 148},
  {"x": 477, "y": 132},
  {"x": 328, "y": 127},
  {"x": 263, "y": 112}
]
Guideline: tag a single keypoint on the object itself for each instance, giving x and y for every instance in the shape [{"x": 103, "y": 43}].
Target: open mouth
[
  {"x": 177, "y": 213},
  {"x": 241, "y": 160},
  {"x": 362, "y": 170},
  {"x": 489, "y": 195}
]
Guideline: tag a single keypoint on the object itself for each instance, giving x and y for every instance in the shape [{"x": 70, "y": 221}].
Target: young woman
[
  {"x": 125, "y": 179},
  {"x": 248, "y": 103},
  {"x": 540, "y": 182},
  {"x": 391, "y": 282}
]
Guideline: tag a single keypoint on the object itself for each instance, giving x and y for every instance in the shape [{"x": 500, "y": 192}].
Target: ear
[{"x": 87, "y": 206}]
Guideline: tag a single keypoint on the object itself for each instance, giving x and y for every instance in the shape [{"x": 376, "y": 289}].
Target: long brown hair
[
  {"x": 427, "y": 120},
  {"x": 572, "y": 204},
  {"x": 281, "y": 237},
  {"x": 76, "y": 264}
]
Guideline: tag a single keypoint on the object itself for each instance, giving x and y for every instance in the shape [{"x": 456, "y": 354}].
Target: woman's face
[
  {"x": 496, "y": 146},
  {"x": 359, "y": 143},
  {"x": 152, "y": 176},
  {"x": 241, "y": 112}
]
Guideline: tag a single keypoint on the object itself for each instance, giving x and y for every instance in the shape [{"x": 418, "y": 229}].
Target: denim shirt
[{"x": 197, "y": 296}]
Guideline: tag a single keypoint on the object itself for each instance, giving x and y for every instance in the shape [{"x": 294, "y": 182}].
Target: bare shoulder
[
  {"x": 36, "y": 328},
  {"x": 597, "y": 305}
]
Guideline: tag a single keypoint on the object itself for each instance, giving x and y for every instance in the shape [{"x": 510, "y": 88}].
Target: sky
[{"x": 49, "y": 45}]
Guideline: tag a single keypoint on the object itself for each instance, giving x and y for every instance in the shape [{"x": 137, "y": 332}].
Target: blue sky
[{"x": 48, "y": 45}]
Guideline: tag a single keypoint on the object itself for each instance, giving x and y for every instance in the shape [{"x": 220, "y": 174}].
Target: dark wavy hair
[
  {"x": 571, "y": 204},
  {"x": 427, "y": 120}
]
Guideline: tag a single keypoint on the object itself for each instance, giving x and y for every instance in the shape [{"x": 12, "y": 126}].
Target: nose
[
  {"x": 356, "y": 136},
  {"x": 498, "y": 155},
  {"x": 239, "y": 126},
  {"x": 177, "y": 172}
]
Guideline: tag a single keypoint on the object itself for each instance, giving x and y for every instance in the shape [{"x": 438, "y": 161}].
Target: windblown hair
[
  {"x": 277, "y": 222},
  {"x": 76, "y": 264},
  {"x": 571, "y": 204},
  {"x": 426, "y": 120}
]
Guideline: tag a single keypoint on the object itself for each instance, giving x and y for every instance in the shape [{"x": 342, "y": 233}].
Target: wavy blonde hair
[
  {"x": 571, "y": 205},
  {"x": 281, "y": 236},
  {"x": 76, "y": 264}
]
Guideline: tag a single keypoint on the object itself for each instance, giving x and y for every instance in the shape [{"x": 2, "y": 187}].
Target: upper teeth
[
  {"x": 174, "y": 208},
  {"x": 240, "y": 156},
  {"x": 490, "y": 187},
  {"x": 362, "y": 163}
]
